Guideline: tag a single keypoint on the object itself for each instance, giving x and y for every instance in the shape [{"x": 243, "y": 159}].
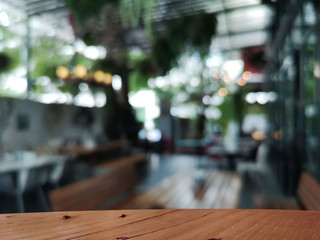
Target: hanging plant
[
  {"x": 83, "y": 10},
  {"x": 130, "y": 11},
  {"x": 194, "y": 31}
]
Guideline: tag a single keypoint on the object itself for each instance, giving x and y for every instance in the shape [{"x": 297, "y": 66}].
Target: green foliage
[
  {"x": 255, "y": 109},
  {"x": 45, "y": 67},
  {"x": 227, "y": 110},
  {"x": 88, "y": 39},
  {"x": 10, "y": 59},
  {"x": 137, "y": 81},
  {"x": 142, "y": 71},
  {"x": 164, "y": 54},
  {"x": 147, "y": 20},
  {"x": 108, "y": 64},
  {"x": 47, "y": 58},
  {"x": 82, "y": 10},
  {"x": 4, "y": 62},
  {"x": 80, "y": 59},
  {"x": 130, "y": 11},
  {"x": 187, "y": 32},
  {"x": 71, "y": 88},
  {"x": 194, "y": 31}
]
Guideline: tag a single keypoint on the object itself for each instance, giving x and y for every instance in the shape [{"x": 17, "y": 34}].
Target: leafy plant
[
  {"x": 4, "y": 62},
  {"x": 194, "y": 31},
  {"x": 10, "y": 58},
  {"x": 82, "y": 10},
  {"x": 130, "y": 11}
]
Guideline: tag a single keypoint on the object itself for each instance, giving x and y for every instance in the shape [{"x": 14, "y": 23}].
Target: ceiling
[{"x": 241, "y": 23}]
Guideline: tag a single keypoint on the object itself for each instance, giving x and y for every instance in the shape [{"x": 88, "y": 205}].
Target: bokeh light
[
  {"x": 80, "y": 71},
  {"x": 223, "y": 92},
  {"x": 226, "y": 79},
  {"x": 241, "y": 82},
  {"x": 216, "y": 75},
  {"x": 108, "y": 78},
  {"x": 116, "y": 82},
  {"x": 247, "y": 75},
  {"x": 258, "y": 135},
  {"x": 62, "y": 72},
  {"x": 99, "y": 76}
]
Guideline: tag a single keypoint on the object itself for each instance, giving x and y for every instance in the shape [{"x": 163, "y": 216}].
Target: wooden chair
[
  {"x": 308, "y": 192},
  {"x": 308, "y": 197}
]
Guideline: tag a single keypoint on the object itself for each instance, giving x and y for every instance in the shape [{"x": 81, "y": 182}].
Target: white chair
[{"x": 260, "y": 165}]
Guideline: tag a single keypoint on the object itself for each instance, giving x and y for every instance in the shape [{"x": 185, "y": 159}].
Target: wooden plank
[
  {"x": 181, "y": 193},
  {"x": 200, "y": 195},
  {"x": 215, "y": 180},
  {"x": 176, "y": 190},
  {"x": 232, "y": 192},
  {"x": 221, "y": 189},
  {"x": 88, "y": 193},
  {"x": 153, "y": 197},
  {"x": 163, "y": 224}
]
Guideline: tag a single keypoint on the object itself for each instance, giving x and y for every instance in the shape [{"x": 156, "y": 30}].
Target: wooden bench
[
  {"x": 94, "y": 192},
  {"x": 122, "y": 162},
  {"x": 308, "y": 197},
  {"x": 219, "y": 189}
]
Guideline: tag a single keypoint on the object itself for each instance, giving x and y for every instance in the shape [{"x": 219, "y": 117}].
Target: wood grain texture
[
  {"x": 221, "y": 189},
  {"x": 163, "y": 224}
]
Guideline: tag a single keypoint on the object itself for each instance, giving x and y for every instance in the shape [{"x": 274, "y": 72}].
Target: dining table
[{"x": 162, "y": 224}]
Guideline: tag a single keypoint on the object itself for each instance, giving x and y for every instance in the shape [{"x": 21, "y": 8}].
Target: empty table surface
[{"x": 163, "y": 224}]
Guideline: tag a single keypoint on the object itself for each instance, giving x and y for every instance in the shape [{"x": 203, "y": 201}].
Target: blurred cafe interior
[{"x": 159, "y": 104}]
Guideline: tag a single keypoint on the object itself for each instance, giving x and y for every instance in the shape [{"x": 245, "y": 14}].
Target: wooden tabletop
[{"x": 163, "y": 224}]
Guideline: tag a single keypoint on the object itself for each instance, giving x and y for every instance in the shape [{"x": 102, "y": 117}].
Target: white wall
[{"x": 47, "y": 122}]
